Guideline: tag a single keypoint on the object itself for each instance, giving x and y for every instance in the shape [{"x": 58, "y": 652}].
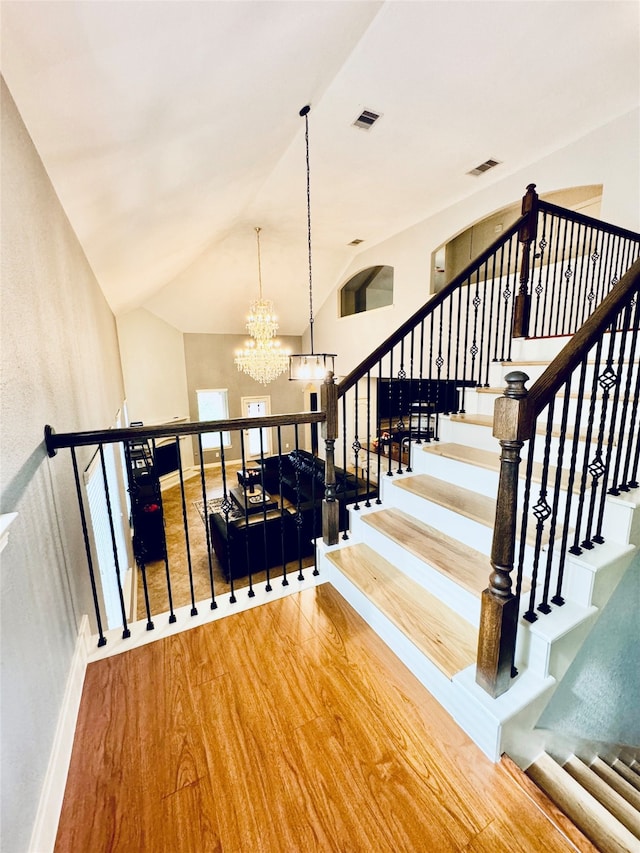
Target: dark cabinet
[{"x": 146, "y": 503}]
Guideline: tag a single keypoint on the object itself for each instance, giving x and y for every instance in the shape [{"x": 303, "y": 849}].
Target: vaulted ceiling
[{"x": 170, "y": 130}]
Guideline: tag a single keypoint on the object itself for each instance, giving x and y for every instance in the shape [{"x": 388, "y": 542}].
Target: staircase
[
  {"x": 601, "y": 798},
  {"x": 415, "y": 567}
]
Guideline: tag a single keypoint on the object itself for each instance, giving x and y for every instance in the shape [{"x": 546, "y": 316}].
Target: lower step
[
  {"x": 589, "y": 815},
  {"x": 447, "y": 639}
]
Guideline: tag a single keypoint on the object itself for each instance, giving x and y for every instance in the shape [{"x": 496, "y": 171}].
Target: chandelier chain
[{"x": 306, "y": 140}]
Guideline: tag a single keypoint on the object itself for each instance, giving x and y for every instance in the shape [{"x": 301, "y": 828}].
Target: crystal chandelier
[{"x": 262, "y": 359}]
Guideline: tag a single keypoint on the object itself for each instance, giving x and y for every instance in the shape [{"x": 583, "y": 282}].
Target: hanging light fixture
[
  {"x": 262, "y": 358},
  {"x": 310, "y": 366}
]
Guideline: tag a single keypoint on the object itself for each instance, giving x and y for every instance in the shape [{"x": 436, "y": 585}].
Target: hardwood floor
[{"x": 290, "y": 727}]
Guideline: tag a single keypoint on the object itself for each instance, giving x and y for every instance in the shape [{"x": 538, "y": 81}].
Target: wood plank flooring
[{"x": 290, "y": 727}]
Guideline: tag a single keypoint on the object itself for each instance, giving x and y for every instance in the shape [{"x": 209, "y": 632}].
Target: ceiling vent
[
  {"x": 355, "y": 242},
  {"x": 484, "y": 167},
  {"x": 366, "y": 119}
]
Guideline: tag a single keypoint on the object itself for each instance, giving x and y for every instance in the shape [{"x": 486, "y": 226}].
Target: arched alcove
[{"x": 368, "y": 289}]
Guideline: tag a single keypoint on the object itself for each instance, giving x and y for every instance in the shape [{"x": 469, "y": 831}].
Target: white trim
[
  {"x": 184, "y": 621},
  {"x": 6, "y": 520},
  {"x": 45, "y": 827}
]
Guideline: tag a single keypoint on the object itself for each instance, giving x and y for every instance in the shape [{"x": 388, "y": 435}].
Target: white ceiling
[{"x": 170, "y": 130}]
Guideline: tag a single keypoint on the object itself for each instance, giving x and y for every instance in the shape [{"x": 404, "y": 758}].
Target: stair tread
[
  {"x": 617, "y": 782},
  {"x": 604, "y": 793},
  {"x": 463, "y": 501},
  {"x": 589, "y": 815},
  {"x": 490, "y": 460},
  {"x": 444, "y": 636},
  {"x": 541, "y": 428},
  {"x": 627, "y": 773},
  {"x": 464, "y": 565}
]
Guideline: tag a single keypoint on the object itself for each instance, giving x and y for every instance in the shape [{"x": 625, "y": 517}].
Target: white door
[{"x": 256, "y": 407}]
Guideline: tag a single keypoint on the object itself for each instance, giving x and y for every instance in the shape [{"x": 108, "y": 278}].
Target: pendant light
[{"x": 310, "y": 366}]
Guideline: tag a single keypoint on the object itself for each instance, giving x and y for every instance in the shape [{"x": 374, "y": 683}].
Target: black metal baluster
[
  {"x": 205, "y": 503},
  {"x": 581, "y": 262},
  {"x": 356, "y": 446},
  {"x": 544, "y": 606},
  {"x": 576, "y": 548},
  {"x": 630, "y": 478},
  {"x": 379, "y": 432},
  {"x": 508, "y": 316},
  {"x": 511, "y": 293},
  {"x": 615, "y": 411},
  {"x": 439, "y": 362},
  {"x": 494, "y": 320},
  {"x": 541, "y": 511},
  {"x": 557, "y": 598},
  {"x": 243, "y": 462},
  {"x": 225, "y": 507},
  {"x": 474, "y": 349},
  {"x": 400, "y": 425},
  {"x": 367, "y": 502},
  {"x": 617, "y": 479},
  {"x": 567, "y": 274},
  {"x": 570, "y": 278},
  {"x": 523, "y": 532},
  {"x": 299, "y": 520},
  {"x": 342, "y": 509},
  {"x": 538, "y": 287},
  {"x": 467, "y": 289},
  {"x": 485, "y": 330},
  {"x": 607, "y": 379},
  {"x": 165, "y": 551},
  {"x": 265, "y": 549},
  {"x": 283, "y": 541},
  {"x": 185, "y": 521},
  {"x": 85, "y": 534},
  {"x": 421, "y": 396},
  {"x": 390, "y": 427},
  {"x": 116, "y": 562}
]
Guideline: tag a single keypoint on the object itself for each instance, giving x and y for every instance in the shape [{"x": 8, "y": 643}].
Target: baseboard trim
[{"x": 43, "y": 836}]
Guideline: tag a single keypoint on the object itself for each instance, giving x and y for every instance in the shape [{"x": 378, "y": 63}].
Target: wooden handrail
[
  {"x": 54, "y": 441},
  {"x": 557, "y": 373},
  {"x": 582, "y": 219},
  {"x": 428, "y": 308}
]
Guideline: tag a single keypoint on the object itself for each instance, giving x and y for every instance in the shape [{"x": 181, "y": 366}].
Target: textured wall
[{"x": 60, "y": 365}]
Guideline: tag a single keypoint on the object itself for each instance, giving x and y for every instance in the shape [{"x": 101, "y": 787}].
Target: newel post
[
  {"x": 499, "y": 614},
  {"x": 527, "y": 236},
  {"x": 330, "y": 506}
]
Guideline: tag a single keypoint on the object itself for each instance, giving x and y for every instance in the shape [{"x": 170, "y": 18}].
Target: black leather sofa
[{"x": 284, "y": 533}]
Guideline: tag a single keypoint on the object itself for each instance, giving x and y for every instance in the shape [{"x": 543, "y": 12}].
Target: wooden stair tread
[
  {"x": 617, "y": 782},
  {"x": 490, "y": 461},
  {"x": 541, "y": 428},
  {"x": 447, "y": 639},
  {"x": 472, "y": 505},
  {"x": 588, "y": 814},
  {"x": 604, "y": 793},
  {"x": 627, "y": 773},
  {"x": 462, "y": 564}
]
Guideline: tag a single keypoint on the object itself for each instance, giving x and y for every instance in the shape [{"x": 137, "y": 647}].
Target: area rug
[{"x": 215, "y": 505}]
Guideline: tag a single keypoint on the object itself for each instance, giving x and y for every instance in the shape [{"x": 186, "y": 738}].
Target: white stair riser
[
  {"x": 458, "y": 599},
  {"x": 591, "y": 577}
]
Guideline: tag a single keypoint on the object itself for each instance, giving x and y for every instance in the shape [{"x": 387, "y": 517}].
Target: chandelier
[
  {"x": 310, "y": 366},
  {"x": 262, "y": 359}
]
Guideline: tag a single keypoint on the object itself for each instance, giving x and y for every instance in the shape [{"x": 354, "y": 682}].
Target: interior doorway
[{"x": 255, "y": 443}]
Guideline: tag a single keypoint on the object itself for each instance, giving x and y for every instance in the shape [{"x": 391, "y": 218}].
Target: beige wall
[
  {"x": 60, "y": 365},
  {"x": 209, "y": 364}
]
